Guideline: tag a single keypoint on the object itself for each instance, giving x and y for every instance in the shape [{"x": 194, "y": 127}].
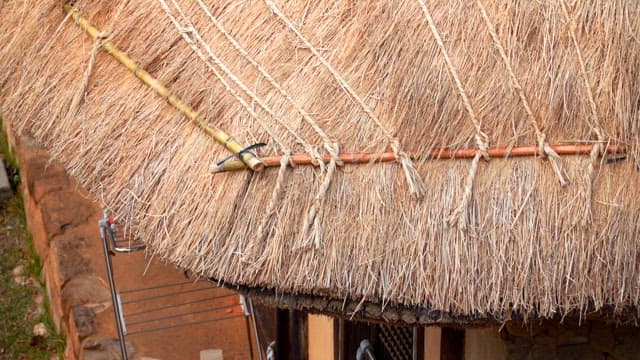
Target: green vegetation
[{"x": 23, "y": 301}]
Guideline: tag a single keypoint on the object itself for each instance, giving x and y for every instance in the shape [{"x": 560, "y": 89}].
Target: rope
[
  {"x": 226, "y": 85},
  {"x": 594, "y": 122},
  {"x": 275, "y": 197},
  {"x": 81, "y": 95},
  {"x": 545, "y": 150},
  {"x": 416, "y": 186},
  {"x": 482, "y": 139},
  {"x": 329, "y": 143},
  {"x": 311, "y": 217}
]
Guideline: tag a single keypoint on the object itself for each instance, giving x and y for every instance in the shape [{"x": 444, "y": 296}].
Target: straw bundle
[{"x": 402, "y": 77}]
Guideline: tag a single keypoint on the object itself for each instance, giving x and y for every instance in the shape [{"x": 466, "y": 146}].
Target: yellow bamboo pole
[{"x": 218, "y": 134}]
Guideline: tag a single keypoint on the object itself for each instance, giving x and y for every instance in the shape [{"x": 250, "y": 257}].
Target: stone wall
[
  {"x": 591, "y": 339},
  {"x": 62, "y": 221}
]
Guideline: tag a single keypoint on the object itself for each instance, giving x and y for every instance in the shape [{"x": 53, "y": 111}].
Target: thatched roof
[{"x": 464, "y": 236}]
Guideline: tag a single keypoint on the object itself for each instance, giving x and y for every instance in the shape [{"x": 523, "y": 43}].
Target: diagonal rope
[
  {"x": 545, "y": 149},
  {"x": 594, "y": 119},
  {"x": 482, "y": 139},
  {"x": 330, "y": 144},
  {"x": 185, "y": 35},
  {"x": 225, "y": 69},
  {"x": 416, "y": 186}
]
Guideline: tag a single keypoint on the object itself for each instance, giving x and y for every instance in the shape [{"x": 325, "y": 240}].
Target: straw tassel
[
  {"x": 458, "y": 216},
  {"x": 272, "y": 208},
  {"x": 414, "y": 181},
  {"x": 275, "y": 198}
]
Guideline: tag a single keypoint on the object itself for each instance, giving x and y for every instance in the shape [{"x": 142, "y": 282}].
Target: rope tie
[
  {"x": 332, "y": 147},
  {"x": 481, "y": 138},
  {"x": 546, "y": 152},
  {"x": 416, "y": 185}
]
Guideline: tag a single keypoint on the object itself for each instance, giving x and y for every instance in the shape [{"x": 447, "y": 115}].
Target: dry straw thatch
[{"x": 407, "y": 77}]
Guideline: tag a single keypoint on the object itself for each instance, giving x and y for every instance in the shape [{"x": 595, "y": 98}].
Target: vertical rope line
[
  {"x": 330, "y": 144},
  {"x": 482, "y": 139},
  {"x": 275, "y": 196},
  {"x": 545, "y": 149},
  {"x": 311, "y": 218},
  {"x": 226, "y": 85},
  {"x": 416, "y": 186},
  {"x": 594, "y": 120}
]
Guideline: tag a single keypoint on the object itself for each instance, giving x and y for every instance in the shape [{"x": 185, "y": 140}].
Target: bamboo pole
[
  {"x": 365, "y": 158},
  {"x": 218, "y": 134}
]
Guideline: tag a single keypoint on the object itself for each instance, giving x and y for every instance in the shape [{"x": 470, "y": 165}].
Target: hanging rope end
[
  {"x": 416, "y": 185},
  {"x": 554, "y": 159}
]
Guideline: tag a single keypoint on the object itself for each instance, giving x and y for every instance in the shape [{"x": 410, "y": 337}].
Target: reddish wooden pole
[{"x": 365, "y": 158}]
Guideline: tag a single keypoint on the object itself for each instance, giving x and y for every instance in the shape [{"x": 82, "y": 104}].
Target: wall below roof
[{"x": 593, "y": 339}]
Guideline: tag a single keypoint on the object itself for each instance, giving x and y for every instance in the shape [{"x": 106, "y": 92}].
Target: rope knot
[
  {"x": 333, "y": 148},
  {"x": 542, "y": 146},
  {"x": 316, "y": 158},
  {"x": 482, "y": 141},
  {"x": 416, "y": 186}
]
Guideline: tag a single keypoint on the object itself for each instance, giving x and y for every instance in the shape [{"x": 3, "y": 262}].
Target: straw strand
[
  {"x": 416, "y": 186},
  {"x": 545, "y": 150}
]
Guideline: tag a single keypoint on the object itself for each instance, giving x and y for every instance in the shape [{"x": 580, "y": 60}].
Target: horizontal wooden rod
[
  {"x": 145, "y": 77},
  {"x": 437, "y": 154}
]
